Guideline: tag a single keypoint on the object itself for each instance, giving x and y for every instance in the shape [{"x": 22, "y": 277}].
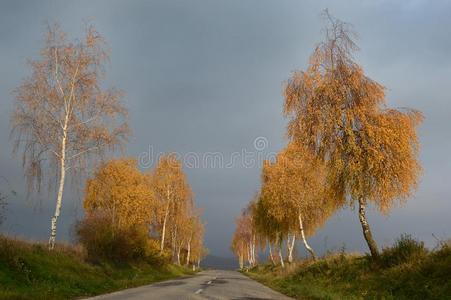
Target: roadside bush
[
  {"x": 406, "y": 249},
  {"x": 154, "y": 255},
  {"x": 103, "y": 241}
]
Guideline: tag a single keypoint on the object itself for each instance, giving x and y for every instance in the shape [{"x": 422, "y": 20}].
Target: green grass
[
  {"x": 415, "y": 276},
  {"x": 30, "y": 271}
]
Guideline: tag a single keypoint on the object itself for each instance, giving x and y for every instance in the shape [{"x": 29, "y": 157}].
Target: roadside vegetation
[
  {"x": 406, "y": 271},
  {"x": 31, "y": 271},
  {"x": 118, "y": 244}
]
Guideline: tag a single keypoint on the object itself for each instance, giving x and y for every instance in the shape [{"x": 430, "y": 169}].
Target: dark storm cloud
[{"x": 206, "y": 76}]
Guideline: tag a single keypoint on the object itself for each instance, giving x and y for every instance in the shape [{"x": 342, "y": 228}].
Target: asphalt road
[{"x": 211, "y": 284}]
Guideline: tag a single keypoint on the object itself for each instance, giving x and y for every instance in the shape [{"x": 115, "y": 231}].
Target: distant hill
[{"x": 217, "y": 262}]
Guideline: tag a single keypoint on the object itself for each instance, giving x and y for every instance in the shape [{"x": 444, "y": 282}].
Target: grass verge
[
  {"x": 401, "y": 274},
  {"x": 30, "y": 271}
]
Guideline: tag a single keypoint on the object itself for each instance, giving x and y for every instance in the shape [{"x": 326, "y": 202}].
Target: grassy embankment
[
  {"x": 405, "y": 271},
  {"x": 30, "y": 271}
]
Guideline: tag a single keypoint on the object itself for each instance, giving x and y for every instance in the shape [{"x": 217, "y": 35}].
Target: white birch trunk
[
  {"x": 304, "y": 240},
  {"x": 270, "y": 254},
  {"x": 178, "y": 255},
  {"x": 280, "y": 251},
  {"x": 241, "y": 261},
  {"x": 163, "y": 231},
  {"x": 366, "y": 230},
  {"x": 59, "y": 197},
  {"x": 175, "y": 248},
  {"x": 188, "y": 254},
  {"x": 290, "y": 246},
  {"x": 281, "y": 257},
  {"x": 254, "y": 260}
]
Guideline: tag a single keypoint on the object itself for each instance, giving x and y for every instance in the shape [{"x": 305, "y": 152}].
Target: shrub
[
  {"x": 103, "y": 241},
  {"x": 406, "y": 249},
  {"x": 154, "y": 255}
]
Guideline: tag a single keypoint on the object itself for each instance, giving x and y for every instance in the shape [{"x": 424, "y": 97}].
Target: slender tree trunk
[
  {"x": 188, "y": 254},
  {"x": 304, "y": 240},
  {"x": 59, "y": 197},
  {"x": 270, "y": 254},
  {"x": 241, "y": 261},
  {"x": 366, "y": 230},
  {"x": 279, "y": 243},
  {"x": 198, "y": 263},
  {"x": 194, "y": 267},
  {"x": 174, "y": 242},
  {"x": 254, "y": 261},
  {"x": 281, "y": 256},
  {"x": 163, "y": 231},
  {"x": 178, "y": 255},
  {"x": 290, "y": 247}
]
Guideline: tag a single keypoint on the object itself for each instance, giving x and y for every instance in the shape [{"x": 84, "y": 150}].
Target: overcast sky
[{"x": 206, "y": 76}]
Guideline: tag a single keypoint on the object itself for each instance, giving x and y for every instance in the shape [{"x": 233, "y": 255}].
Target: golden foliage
[
  {"x": 338, "y": 112},
  {"x": 172, "y": 191},
  {"x": 160, "y": 202},
  {"x": 345, "y": 145},
  {"x": 242, "y": 236},
  {"x": 295, "y": 184},
  {"x": 63, "y": 118},
  {"x": 63, "y": 112},
  {"x": 119, "y": 190}
]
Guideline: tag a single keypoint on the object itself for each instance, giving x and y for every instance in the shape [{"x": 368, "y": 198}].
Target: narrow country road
[{"x": 211, "y": 284}]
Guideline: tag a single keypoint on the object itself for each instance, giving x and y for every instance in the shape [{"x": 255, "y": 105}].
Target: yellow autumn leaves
[
  {"x": 121, "y": 191},
  {"x": 160, "y": 201},
  {"x": 349, "y": 148}
]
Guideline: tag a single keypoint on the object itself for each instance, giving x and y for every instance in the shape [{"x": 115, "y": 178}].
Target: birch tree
[
  {"x": 172, "y": 192},
  {"x": 194, "y": 244},
  {"x": 240, "y": 242},
  {"x": 270, "y": 229},
  {"x": 180, "y": 218},
  {"x": 294, "y": 192},
  {"x": 63, "y": 118},
  {"x": 120, "y": 191},
  {"x": 195, "y": 233},
  {"x": 198, "y": 251},
  {"x": 183, "y": 226},
  {"x": 338, "y": 112},
  {"x": 245, "y": 242}
]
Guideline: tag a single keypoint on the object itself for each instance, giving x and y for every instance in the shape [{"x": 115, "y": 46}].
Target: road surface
[{"x": 211, "y": 284}]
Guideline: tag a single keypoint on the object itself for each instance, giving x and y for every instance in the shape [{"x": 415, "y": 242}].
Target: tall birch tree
[
  {"x": 270, "y": 229},
  {"x": 295, "y": 193},
  {"x": 245, "y": 240},
  {"x": 63, "y": 117},
  {"x": 172, "y": 193},
  {"x": 338, "y": 112}
]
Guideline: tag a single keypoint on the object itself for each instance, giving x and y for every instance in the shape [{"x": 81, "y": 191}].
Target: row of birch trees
[
  {"x": 176, "y": 220},
  {"x": 346, "y": 148},
  {"x": 160, "y": 200}
]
